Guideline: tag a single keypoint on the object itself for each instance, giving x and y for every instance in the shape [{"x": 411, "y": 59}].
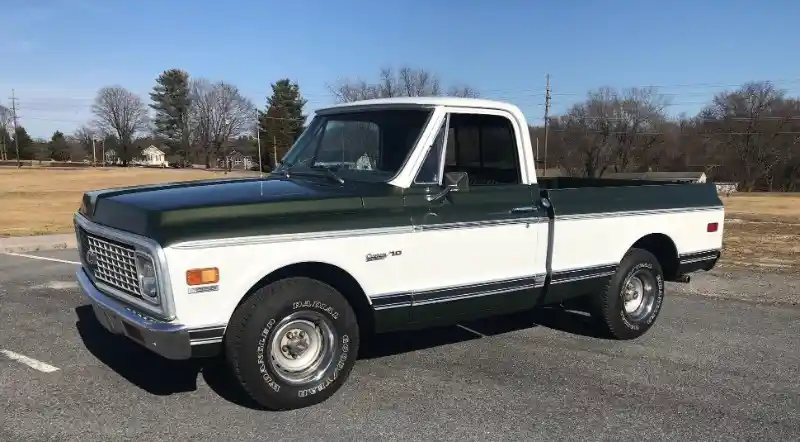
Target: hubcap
[
  {"x": 638, "y": 295},
  {"x": 301, "y": 347}
]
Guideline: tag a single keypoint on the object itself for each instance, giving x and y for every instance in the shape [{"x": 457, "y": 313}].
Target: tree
[
  {"x": 122, "y": 113},
  {"x": 5, "y": 145},
  {"x": 752, "y": 121},
  {"x": 84, "y": 136},
  {"x": 172, "y": 103},
  {"x": 25, "y": 144},
  {"x": 610, "y": 131},
  {"x": 283, "y": 121},
  {"x": 406, "y": 82},
  {"x": 58, "y": 147},
  {"x": 6, "y": 118},
  {"x": 219, "y": 112}
]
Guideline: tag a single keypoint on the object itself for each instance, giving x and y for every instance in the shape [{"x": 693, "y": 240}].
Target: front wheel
[
  {"x": 631, "y": 302},
  {"x": 293, "y": 343}
]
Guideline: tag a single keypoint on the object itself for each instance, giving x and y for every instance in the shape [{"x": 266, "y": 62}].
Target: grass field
[
  {"x": 42, "y": 201},
  {"x": 762, "y": 230}
]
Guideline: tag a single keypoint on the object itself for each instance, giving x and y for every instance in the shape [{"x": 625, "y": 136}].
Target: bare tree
[
  {"x": 6, "y": 117},
  {"x": 611, "y": 131},
  {"x": 752, "y": 120},
  {"x": 121, "y": 113},
  {"x": 405, "y": 82},
  {"x": 219, "y": 113},
  {"x": 83, "y": 137},
  {"x": 6, "y": 128}
]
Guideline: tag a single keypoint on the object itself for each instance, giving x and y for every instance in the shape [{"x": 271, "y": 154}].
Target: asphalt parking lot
[{"x": 711, "y": 369}]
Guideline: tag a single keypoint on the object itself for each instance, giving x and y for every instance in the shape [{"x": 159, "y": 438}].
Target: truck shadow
[
  {"x": 574, "y": 322},
  {"x": 162, "y": 377}
]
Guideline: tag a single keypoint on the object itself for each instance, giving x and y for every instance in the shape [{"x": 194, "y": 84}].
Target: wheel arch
[
  {"x": 665, "y": 251},
  {"x": 330, "y": 274}
]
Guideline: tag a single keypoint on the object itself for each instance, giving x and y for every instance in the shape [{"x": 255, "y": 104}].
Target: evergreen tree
[
  {"x": 172, "y": 103},
  {"x": 282, "y": 122},
  {"x": 58, "y": 147},
  {"x": 25, "y": 144}
]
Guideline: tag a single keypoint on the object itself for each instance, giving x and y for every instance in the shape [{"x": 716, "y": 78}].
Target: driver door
[{"x": 475, "y": 247}]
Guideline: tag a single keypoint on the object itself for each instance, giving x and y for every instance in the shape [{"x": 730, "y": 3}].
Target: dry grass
[
  {"x": 42, "y": 201},
  {"x": 774, "y": 207},
  {"x": 766, "y": 246},
  {"x": 763, "y": 230}
]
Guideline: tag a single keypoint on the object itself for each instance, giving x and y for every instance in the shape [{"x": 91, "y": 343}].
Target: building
[
  {"x": 727, "y": 188},
  {"x": 153, "y": 156},
  {"x": 237, "y": 160}
]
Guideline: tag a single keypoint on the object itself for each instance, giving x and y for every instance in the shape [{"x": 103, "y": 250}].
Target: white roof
[
  {"x": 152, "y": 149},
  {"x": 423, "y": 101}
]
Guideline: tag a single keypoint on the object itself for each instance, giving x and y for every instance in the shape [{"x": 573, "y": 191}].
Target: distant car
[{"x": 286, "y": 275}]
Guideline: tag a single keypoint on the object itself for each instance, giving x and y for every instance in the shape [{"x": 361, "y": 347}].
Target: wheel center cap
[{"x": 296, "y": 343}]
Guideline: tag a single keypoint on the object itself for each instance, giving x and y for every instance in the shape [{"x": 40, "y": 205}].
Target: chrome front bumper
[{"x": 170, "y": 340}]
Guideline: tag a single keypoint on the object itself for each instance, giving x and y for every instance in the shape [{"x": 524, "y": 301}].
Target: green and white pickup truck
[{"x": 386, "y": 215}]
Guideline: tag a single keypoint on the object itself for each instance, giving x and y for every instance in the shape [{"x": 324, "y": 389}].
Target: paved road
[{"x": 710, "y": 370}]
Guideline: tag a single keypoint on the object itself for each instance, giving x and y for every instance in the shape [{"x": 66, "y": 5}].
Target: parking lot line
[
  {"x": 23, "y": 255},
  {"x": 30, "y": 362},
  {"x": 463, "y": 327}
]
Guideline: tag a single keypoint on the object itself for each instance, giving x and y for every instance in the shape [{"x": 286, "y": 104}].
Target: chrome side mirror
[{"x": 453, "y": 182}]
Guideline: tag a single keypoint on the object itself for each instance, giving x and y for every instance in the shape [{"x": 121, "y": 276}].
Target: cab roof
[{"x": 421, "y": 102}]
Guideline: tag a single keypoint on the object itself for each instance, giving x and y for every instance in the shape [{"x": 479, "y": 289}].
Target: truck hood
[{"x": 210, "y": 209}]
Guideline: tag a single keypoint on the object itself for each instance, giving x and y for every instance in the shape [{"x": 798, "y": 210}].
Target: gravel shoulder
[{"x": 763, "y": 287}]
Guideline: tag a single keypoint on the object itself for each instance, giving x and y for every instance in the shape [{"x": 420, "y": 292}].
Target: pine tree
[
  {"x": 172, "y": 102},
  {"x": 25, "y": 143},
  {"x": 58, "y": 147},
  {"x": 283, "y": 121}
]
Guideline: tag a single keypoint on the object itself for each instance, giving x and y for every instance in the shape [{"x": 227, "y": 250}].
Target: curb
[{"x": 27, "y": 244}]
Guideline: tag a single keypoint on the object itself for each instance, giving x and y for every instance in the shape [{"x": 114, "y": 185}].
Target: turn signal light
[
  {"x": 202, "y": 276},
  {"x": 712, "y": 227}
]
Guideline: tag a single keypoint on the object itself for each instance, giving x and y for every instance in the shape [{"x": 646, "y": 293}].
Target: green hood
[{"x": 212, "y": 209}]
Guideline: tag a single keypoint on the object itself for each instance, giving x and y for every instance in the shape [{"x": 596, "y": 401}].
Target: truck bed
[{"x": 577, "y": 182}]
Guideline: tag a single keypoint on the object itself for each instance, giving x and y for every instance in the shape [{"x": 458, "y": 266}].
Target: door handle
[{"x": 523, "y": 209}]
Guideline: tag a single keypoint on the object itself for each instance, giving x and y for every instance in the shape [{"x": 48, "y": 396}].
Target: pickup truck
[{"x": 385, "y": 215}]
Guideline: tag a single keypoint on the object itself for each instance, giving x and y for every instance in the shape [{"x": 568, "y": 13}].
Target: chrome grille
[{"x": 115, "y": 264}]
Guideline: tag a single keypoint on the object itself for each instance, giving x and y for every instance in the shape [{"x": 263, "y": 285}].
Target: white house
[{"x": 153, "y": 156}]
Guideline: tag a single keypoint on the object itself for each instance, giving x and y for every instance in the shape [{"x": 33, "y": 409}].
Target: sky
[{"x": 56, "y": 54}]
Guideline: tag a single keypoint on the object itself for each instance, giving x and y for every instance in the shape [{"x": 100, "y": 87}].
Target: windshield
[{"x": 369, "y": 145}]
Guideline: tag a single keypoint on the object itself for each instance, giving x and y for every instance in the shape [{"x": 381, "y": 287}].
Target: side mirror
[
  {"x": 456, "y": 181},
  {"x": 453, "y": 182}
]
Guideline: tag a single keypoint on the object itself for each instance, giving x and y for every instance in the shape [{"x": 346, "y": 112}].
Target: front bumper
[{"x": 168, "y": 339}]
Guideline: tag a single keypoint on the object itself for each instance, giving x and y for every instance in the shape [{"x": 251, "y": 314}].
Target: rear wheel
[
  {"x": 293, "y": 343},
  {"x": 632, "y": 300}
]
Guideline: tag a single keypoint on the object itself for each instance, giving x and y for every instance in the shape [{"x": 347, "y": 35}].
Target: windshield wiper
[{"x": 329, "y": 172}]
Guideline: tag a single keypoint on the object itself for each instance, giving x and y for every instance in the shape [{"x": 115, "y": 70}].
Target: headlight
[{"x": 148, "y": 282}]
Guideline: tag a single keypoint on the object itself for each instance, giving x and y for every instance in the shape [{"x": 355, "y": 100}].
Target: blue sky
[{"x": 57, "y": 53}]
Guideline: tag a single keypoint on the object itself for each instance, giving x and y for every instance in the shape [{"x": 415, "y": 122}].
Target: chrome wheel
[
  {"x": 638, "y": 294},
  {"x": 301, "y": 348}
]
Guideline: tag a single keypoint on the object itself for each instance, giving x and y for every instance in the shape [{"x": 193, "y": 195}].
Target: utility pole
[
  {"x": 258, "y": 142},
  {"x": 546, "y": 120},
  {"x": 14, "y": 115},
  {"x": 274, "y": 153},
  {"x": 94, "y": 154}
]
